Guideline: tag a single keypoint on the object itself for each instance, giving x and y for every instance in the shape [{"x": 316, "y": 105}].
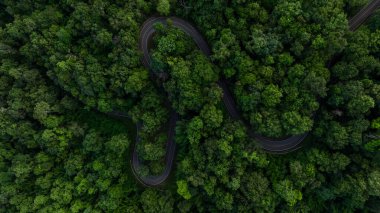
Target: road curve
[
  {"x": 146, "y": 34},
  {"x": 147, "y": 31},
  {"x": 169, "y": 158},
  {"x": 272, "y": 145},
  {"x": 269, "y": 144}
]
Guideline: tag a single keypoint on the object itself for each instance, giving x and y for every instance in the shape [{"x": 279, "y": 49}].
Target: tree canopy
[{"x": 73, "y": 88}]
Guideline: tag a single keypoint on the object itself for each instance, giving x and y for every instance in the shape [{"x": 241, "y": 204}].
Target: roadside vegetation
[{"x": 293, "y": 67}]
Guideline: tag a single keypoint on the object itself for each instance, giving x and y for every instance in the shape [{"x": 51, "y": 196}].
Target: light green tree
[{"x": 163, "y": 7}]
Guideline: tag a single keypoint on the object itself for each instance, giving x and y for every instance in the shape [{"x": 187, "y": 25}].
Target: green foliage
[
  {"x": 153, "y": 201},
  {"x": 374, "y": 183},
  {"x": 71, "y": 74},
  {"x": 271, "y": 95},
  {"x": 163, "y": 7},
  {"x": 183, "y": 189},
  {"x": 285, "y": 190}
]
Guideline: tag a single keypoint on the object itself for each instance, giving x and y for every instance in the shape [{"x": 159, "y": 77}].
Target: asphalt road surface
[
  {"x": 355, "y": 22},
  {"x": 272, "y": 145}
]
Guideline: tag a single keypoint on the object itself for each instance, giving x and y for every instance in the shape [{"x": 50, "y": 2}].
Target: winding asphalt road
[{"x": 269, "y": 144}]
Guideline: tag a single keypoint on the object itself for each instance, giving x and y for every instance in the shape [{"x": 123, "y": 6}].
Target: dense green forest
[{"x": 293, "y": 66}]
